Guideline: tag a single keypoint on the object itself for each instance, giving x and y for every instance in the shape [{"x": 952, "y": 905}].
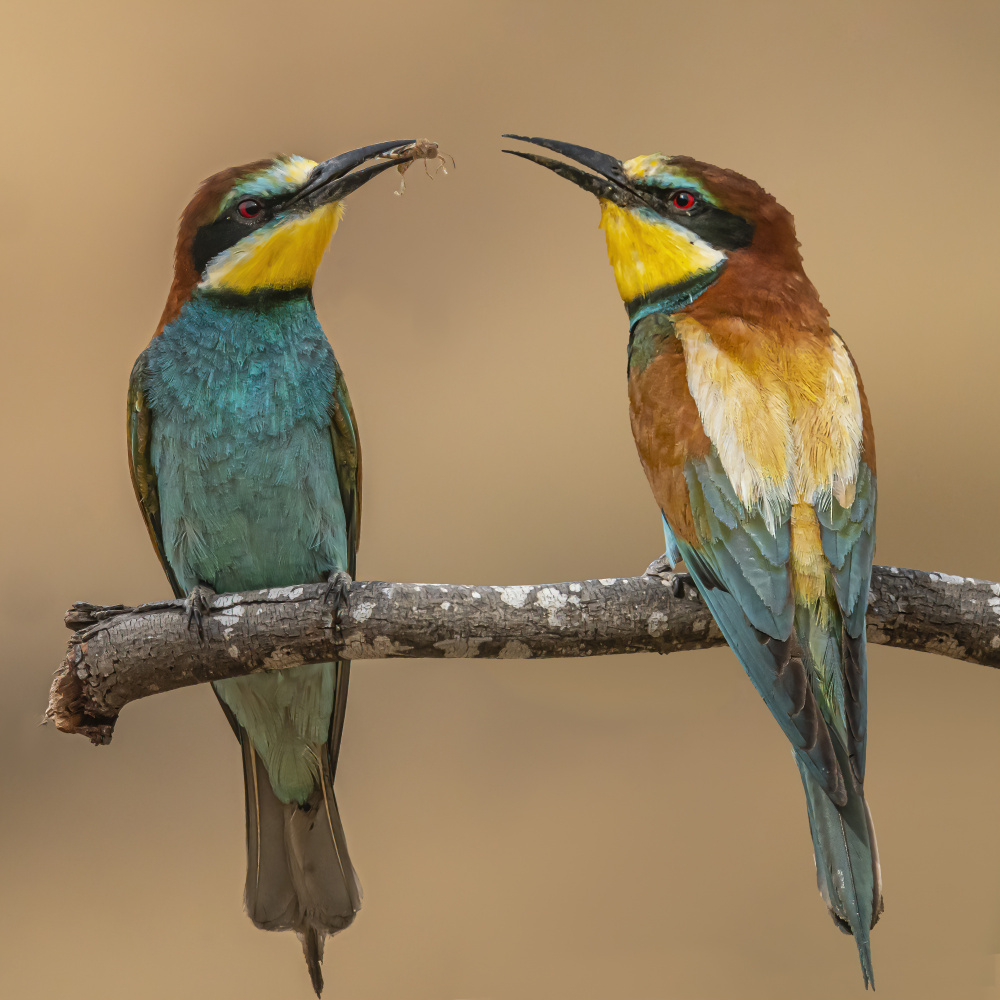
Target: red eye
[
  {"x": 250, "y": 208},
  {"x": 683, "y": 200}
]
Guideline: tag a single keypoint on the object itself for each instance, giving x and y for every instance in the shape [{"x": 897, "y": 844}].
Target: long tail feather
[
  {"x": 299, "y": 874},
  {"x": 312, "y": 946},
  {"x": 847, "y": 866}
]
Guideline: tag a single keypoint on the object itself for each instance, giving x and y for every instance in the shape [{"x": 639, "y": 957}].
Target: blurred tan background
[{"x": 622, "y": 828}]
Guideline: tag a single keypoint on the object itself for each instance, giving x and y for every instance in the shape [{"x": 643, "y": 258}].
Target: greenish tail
[
  {"x": 847, "y": 867},
  {"x": 299, "y": 874}
]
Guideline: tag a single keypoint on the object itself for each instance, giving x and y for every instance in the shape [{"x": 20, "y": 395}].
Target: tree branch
[{"x": 119, "y": 654}]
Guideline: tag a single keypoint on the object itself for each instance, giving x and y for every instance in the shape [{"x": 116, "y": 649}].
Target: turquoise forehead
[
  {"x": 285, "y": 175},
  {"x": 656, "y": 170}
]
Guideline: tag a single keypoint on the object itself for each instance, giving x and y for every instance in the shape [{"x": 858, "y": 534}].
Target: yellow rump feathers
[{"x": 810, "y": 568}]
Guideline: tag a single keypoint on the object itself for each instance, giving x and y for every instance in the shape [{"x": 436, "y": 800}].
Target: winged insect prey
[{"x": 422, "y": 149}]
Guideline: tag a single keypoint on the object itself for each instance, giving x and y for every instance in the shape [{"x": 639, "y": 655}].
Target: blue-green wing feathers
[
  {"x": 806, "y": 661},
  {"x": 138, "y": 425},
  {"x": 848, "y": 536},
  {"x": 347, "y": 455},
  {"x": 741, "y": 569}
]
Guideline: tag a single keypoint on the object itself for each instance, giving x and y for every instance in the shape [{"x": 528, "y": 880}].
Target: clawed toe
[
  {"x": 337, "y": 589},
  {"x": 663, "y": 569},
  {"x": 197, "y": 604},
  {"x": 661, "y": 566}
]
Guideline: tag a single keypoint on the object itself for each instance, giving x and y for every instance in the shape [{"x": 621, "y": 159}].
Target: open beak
[
  {"x": 332, "y": 179},
  {"x": 609, "y": 180}
]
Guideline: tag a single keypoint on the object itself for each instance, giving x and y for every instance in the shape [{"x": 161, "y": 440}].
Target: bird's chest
[{"x": 242, "y": 452}]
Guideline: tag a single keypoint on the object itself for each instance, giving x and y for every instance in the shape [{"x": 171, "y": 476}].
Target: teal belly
[
  {"x": 249, "y": 496},
  {"x": 240, "y": 514}
]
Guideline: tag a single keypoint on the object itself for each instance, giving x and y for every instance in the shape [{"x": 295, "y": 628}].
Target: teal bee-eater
[
  {"x": 246, "y": 462},
  {"x": 753, "y": 429}
]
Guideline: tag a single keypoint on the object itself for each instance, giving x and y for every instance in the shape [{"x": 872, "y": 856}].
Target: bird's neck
[
  {"x": 244, "y": 325},
  {"x": 760, "y": 289},
  {"x": 673, "y": 298},
  {"x": 764, "y": 289}
]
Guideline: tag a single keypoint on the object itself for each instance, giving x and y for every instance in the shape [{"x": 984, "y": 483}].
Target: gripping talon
[
  {"x": 197, "y": 604},
  {"x": 663, "y": 568},
  {"x": 660, "y": 566},
  {"x": 338, "y": 587}
]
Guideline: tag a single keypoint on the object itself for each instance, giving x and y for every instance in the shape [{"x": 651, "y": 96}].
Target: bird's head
[
  {"x": 673, "y": 224},
  {"x": 263, "y": 227}
]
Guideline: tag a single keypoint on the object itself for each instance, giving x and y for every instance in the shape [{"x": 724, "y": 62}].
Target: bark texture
[{"x": 119, "y": 654}]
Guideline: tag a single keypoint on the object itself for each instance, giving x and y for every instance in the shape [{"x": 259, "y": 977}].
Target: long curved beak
[
  {"x": 609, "y": 180},
  {"x": 332, "y": 179}
]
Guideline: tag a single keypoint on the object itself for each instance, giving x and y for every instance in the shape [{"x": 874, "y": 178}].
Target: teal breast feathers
[
  {"x": 248, "y": 491},
  {"x": 241, "y": 446}
]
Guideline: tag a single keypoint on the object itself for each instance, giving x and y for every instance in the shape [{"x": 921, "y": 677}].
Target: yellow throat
[
  {"x": 647, "y": 256},
  {"x": 282, "y": 257}
]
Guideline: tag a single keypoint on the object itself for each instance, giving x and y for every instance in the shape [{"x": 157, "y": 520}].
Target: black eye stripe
[
  {"x": 661, "y": 198},
  {"x": 227, "y": 230},
  {"x": 717, "y": 227}
]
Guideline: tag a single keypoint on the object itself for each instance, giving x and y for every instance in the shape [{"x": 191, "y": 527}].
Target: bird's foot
[
  {"x": 663, "y": 569},
  {"x": 661, "y": 566},
  {"x": 197, "y": 604},
  {"x": 338, "y": 589}
]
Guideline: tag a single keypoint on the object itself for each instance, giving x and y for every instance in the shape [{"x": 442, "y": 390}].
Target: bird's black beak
[
  {"x": 609, "y": 181},
  {"x": 332, "y": 179}
]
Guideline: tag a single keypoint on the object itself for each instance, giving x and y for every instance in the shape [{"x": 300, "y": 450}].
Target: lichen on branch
[{"x": 120, "y": 654}]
